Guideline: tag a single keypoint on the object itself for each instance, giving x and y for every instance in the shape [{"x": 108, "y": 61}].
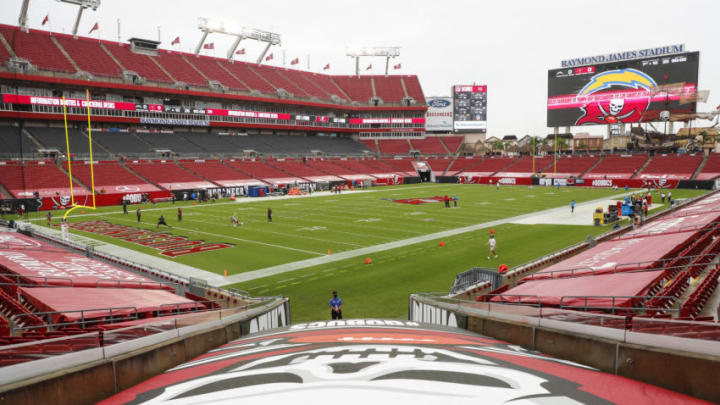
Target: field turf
[{"x": 304, "y": 228}]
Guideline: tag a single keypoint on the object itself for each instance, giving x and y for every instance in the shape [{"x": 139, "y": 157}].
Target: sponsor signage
[
  {"x": 469, "y": 108},
  {"x": 627, "y": 55},
  {"x": 630, "y": 91},
  {"x": 387, "y": 120},
  {"x": 439, "y": 116},
  {"x": 69, "y": 102},
  {"x": 247, "y": 114},
  {"x": 174, "y": 121}
]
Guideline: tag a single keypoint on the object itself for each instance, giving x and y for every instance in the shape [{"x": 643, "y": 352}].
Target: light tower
[
  {"x": 387, "y": 51},
  {"x": 207, "y": 26},
  {"x": 82, "y": 5}
]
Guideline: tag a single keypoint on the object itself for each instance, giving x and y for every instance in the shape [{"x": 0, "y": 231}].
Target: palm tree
[{"x": 498, "y": 145}]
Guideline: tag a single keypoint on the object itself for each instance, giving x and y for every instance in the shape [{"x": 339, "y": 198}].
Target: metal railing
[
  {"x": 85, "y": 319},
  {"x": 614, "y": 299}
]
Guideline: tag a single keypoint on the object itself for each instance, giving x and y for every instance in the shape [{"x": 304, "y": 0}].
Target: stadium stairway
[
  {"x": 591, "y": 167},
  {"x": 140, "y": 176},
  {"x": 200, "y": 72},
  {"x": 32, "y": 138},
  {"x": 640, "y": 170},
  {"x": 67, "y": 175},
  {"x": 4, "y": 193},
  {"x": 700, "y": 168},
  {"x": 102, "y": 46},
  {"x": 64, "y": 52}
]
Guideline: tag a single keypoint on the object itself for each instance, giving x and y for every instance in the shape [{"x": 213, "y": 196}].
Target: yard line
[{"x": 235, "y": 238}]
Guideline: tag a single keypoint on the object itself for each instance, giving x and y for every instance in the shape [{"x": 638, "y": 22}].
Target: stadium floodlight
[
  {"x": 207, "y": 26},
  {"x": 22, "y": 20},
  {"x": 387, "y": 51},
  {"x": 82, "y": 5}
]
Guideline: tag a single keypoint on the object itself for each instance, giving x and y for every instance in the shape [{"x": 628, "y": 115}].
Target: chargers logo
[{"x": 616, "y": 110}]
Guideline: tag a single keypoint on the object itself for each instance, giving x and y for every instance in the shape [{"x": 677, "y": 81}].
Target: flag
[
  {"x": 175, "y": 41},
  {"x": 269, "y": 58},
  {"x": 240, "y": 52},
  {"x": 369, "y": 67},
  {"x": 210, "y": 45},
  {"x": 46, "y": 19},
  {"x": 326, "y": 67},
  {"x": 398, "y": 66},
  {"x": 94, "y": 28},
  {"x": 295, "y": 61}
]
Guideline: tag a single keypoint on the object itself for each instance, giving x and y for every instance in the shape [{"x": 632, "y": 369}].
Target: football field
[{"x": 318, "y": 244}]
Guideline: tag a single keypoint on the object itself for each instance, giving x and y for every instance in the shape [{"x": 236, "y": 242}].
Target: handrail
[
  {"x": 82, "y": 321},
  {"x": 518, "y": 296},
  {"x": 613, "y": 307},
  {"x": 19, "y": 276}
]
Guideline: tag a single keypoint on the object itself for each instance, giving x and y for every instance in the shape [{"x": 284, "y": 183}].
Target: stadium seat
[
  {"x": 672, "y": 166},
  {"x": 37, "y": 47},
  {"x": 394, "y": 146},
  {"x": 90, "y": 56},
  {"x": 357, "y": 88},
  {"x": 617, "y": 167},
  {"x": 430, "y": 145},
  {"x": 215, "y": 71},
  {"x": 42, "y": 177},
  {"x": 175, "y": 64},
  {"x": 711, "y": 169},
  {"x": 389, "y": 88},
  {"x": 138, "y": 63}
]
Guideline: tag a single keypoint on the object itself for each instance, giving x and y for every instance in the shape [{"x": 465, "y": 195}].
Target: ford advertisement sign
[{"x": 439, "y": 116}]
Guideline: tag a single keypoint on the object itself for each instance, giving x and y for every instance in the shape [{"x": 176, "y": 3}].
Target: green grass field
[{"x": 305, "y": 228}]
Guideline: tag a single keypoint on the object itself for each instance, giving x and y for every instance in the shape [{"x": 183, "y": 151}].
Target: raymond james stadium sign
[{"x": 618, "y": 56}]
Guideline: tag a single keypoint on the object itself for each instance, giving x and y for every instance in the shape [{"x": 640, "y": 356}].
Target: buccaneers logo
[{"x": 609, "y": 98}]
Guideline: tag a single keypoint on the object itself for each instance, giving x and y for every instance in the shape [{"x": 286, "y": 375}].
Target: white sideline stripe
[{"x": 284, "y": 268}]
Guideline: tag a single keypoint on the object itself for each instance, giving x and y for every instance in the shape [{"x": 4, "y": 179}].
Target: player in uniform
[
  {"x": 161, "y": 221},
  {"x": 491, "y": 242}
]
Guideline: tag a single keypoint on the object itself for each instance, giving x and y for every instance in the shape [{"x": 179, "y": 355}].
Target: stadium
[{"x": 225, "y": 220}]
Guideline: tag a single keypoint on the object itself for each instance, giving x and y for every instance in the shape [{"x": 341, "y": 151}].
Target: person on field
[
  {"x": 335, "y": 306},
  {"x": 455, "y": 200},
  {"x": 161, "y": 221},
  {"x": 49, "y": 218},
  {"x": 124, "y": 204},
  {"x": 446, "y": 199},
  {"x": 269, "y": 214},
  {"x": 491, "y": 242},
  {"x": 572, "y": 206},
  {"x": 234, "y": 220},
  {"x": 138, "y": 213},
  {"x": 179, "y": 214}
]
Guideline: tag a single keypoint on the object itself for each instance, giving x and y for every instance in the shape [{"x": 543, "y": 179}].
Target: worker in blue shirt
[
  {"x": 572, "y": 206},
  {"x": 335, "y": 306}
]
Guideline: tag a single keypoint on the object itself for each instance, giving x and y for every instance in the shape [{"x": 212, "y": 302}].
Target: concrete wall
[
  {"x": 94, "y": 381},
  {"x": 689, "y": 373}
]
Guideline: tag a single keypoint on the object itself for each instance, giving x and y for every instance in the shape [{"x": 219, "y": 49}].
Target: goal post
[{"x": 69, "y": 159}]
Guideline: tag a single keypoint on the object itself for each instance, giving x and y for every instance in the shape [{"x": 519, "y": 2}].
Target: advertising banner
[
  {"x": 622, "y": 92},
  {"x": 439, "y": 116}
]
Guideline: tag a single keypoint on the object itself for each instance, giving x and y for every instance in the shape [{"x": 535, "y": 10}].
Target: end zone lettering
[{"x": 168, "y": 245}]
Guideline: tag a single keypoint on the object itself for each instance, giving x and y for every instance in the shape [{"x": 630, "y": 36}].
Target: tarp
[
  {"x": 677, "y": 223},
  {"x": 240, "y": 183},
  {"x": 619, "y": 285},
  {"x": 623, "y": 254},
  {"x": 67, "y": 300},
  {"x": 189, "y": 185},
  {"x": 18, "y": 241},
  {"x": 45, "y": 264}
]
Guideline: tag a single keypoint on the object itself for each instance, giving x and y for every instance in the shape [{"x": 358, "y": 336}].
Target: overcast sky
[{"x": 508, "y": 45}]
